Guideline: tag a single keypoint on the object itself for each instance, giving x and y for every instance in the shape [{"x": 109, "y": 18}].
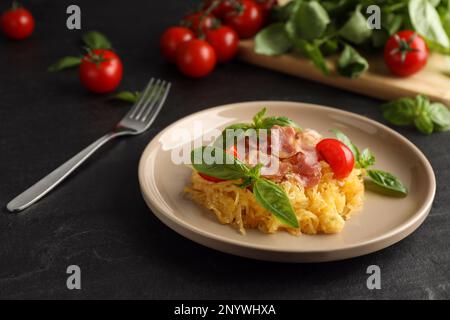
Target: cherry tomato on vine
[
  {"x": 225, "y": 42},
  {"x": 232, "y": 150},
  {"x": 196, "y": 58},
  {"x": 221, "y": 10},
  {"x": 171, "y": 39},
  {"x": 405, "y": 53},
  {"x": 101, "y": 71},
  {"x": 200, "y": 22},
  {"x": 266, "y": 6},
  {"x": 338, "y": 156},
  {"x": 17, "y": 23},
  {"x": 246, "y": 20}
]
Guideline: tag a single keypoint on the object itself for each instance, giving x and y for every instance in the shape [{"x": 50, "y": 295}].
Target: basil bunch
[
  {"x": 318, "y": 28},
  {"x": 267, "y": 193},
  {"x": 428, "y": 117},
  {"x": 378, "y": 181}
]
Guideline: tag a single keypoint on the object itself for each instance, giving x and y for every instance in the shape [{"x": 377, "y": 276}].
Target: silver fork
[{"x": 136, "y": 121}]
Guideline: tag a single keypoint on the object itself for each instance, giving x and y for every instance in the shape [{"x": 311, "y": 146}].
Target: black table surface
[{"x": 98, "y": 219}]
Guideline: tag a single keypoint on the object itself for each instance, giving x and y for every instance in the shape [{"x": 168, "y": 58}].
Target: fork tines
[{"x": 150, "y": 101}]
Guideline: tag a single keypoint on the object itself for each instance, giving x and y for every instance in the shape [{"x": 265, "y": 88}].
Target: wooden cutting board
[{"x": 433, "y": 81}]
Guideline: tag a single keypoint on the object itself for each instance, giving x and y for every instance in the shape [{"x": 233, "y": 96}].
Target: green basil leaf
[
  {"x": 337, "y": 7},
  {"x": 308, "y": 21},
  {"x": 258, "y": 118},
  {"x": 269, "y": 122},
  {"x": 424, "y": 123},
  {"x": 96, "y": 40},
  {"x": 351, "y": 64},
  {"x": 330, "y": 46},
  {"x": 229, "y": 168},
  {"x": 444, "y": 13},
  {"x": 284, "y": 12},
  {"x": 273, "y": 40},
  {"x": 127, "y": 96},
  {"x": 435, "y": 3},
  {"x": 434, "y": 47},
  {"x": 312, "y": 51},
  {"x": 356, "y": 29},
  {"x": 422, "y": 103},
  {"x": 386, "y": 183},
  {"x": 255, "y": 172},
  {"x": 273, "y": 198},
  {"x": 346, "y": 140},
  {"x": 441, "y": 129},
  {"x": 65, "y": 63},
  {"x": 400, "y": 112},
  {"x": 440, "y": 115},
  {"x": 391, "y": 22},
  {"x": 236, "y": 126},
  {"x": 222, "y": 142},
  {"x": 379, "y": 37},
  {"x": 366, "y": 159},
  {"x": 426, "y": 21}
]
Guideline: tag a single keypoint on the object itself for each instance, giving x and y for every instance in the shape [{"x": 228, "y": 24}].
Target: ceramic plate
[{"x": 382, "y": 222}]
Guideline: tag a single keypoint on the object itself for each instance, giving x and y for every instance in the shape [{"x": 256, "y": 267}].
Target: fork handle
[{"x": 49, "y": 182}]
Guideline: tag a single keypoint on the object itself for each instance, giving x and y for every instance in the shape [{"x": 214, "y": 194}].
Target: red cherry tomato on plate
[
  {"x": 405, "y": 53},
  {"x": 210, "y": 179},
  {"x": 247, "y": 20},
  {"x": 231, "y": 150},
  {"x": 338, "y": 156},
  {"x": 199, "y": 22},
  {"x": 196, "y": 58},
  {"x": 171, "y": 39},
  {"x": 101, "y": 71},
  {"x": 225, "y": 42},
  {"x": 17, "y": 23}
]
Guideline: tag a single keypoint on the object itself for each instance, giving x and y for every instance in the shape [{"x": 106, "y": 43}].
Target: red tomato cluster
[{"x": 212, "y": 34}]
